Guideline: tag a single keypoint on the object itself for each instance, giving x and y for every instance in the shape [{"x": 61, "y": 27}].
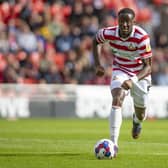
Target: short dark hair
[{"x": 127, "y": 11}]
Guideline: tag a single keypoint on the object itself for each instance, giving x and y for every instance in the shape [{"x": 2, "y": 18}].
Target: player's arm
[
  {"x": 147, "y": 69},
  {"x": 146, "y": 57},
  {"x": 98, "y": 68},
  {"x": 95, "y": 52}
]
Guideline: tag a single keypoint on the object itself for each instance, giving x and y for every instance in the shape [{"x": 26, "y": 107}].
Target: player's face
[{"x": 125, "y": 24}]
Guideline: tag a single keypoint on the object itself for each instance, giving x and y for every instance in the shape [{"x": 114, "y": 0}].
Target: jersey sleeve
[
  {"x": 144, "y": 47},
  {"x": 100, "y": 37}
]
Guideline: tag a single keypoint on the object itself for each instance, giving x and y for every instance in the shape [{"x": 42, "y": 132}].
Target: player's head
[{"x": 125, "y": 20}]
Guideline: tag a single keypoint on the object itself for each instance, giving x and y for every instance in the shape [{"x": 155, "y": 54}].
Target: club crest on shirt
[{"x": 131, "y": 46}]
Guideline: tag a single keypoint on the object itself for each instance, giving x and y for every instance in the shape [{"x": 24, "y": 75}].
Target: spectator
[
  {"x": 43, "y": 38},
  {"x": 53, "y": 75},
  {"x": 64, "y": 41},
  {"x": 26, "y": 39},
  {"x": 4, "y": 43}
]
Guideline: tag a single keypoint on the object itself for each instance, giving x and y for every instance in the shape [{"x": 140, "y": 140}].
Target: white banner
[
  {"x": 14, "y": 107},
  {"x": 85, "y": 101},
  {"x": 23, "y": 101},
  {"x": 96, "y": 101}
]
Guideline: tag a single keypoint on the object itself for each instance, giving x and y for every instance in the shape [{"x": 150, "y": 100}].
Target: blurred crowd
[{"x": 50, "y": 41}]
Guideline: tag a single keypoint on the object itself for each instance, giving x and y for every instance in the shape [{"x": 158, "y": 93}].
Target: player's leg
[
  {"x": 140, "y": 113},
  {"x": 139, "y": 93},
  {"x": 138, "y": 118},
  {"x": 118, "y": 95}
]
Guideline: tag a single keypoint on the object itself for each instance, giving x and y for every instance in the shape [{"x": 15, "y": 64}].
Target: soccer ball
[{"x": 104, "y": 149}]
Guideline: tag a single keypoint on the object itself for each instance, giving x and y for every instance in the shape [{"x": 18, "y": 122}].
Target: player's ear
[{"x": 134, "y": 22}]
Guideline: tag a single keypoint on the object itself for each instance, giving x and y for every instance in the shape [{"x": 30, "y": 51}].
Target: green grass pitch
[{"x": 68, "y": 143}]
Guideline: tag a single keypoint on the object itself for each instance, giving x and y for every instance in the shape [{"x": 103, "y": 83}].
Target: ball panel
[{"x": 104, "y": 149}]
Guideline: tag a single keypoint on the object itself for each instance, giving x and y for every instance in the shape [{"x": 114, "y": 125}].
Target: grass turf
[{"x": 68, "y": 143}]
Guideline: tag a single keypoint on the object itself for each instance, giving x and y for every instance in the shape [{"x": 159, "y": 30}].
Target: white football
[{"x": 105, "y": 149}]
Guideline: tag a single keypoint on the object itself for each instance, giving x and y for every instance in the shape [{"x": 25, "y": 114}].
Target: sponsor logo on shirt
[{"x": 148, "y": 47}]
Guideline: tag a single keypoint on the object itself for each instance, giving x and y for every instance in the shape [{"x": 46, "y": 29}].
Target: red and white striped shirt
[{"x": 128, "y": 53}]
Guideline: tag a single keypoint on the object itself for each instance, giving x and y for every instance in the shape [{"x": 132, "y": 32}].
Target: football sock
[{"x": 115, "y": 123}]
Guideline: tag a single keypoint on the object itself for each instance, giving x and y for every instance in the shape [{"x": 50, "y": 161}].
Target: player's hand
[
  {"x": 100, "y": 71},
  {"x": 127, "y": 84}
]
